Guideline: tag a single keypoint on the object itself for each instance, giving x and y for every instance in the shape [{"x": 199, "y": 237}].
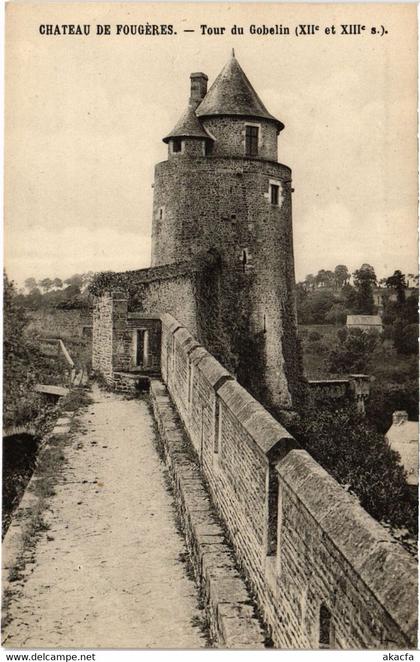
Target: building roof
[
  {"x": 403, "y": 437},
  {"x": 233, "y": 94},
  {"x": 364, "y": 320},
  {"x": 188, "y": 126}
]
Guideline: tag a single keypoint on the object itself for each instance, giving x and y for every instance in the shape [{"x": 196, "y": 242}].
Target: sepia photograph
[{"x": 210, "y": 327}]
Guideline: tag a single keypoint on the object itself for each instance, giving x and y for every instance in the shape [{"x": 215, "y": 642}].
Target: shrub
[
  {"x": 385, "y": 398},
  {"x": 361, "y": 460},
  {"x": 342, "y": 334},
  {"x": 317, "y": 347},
  {"x": 353, "y": 353},
  {"x": 407, "y": 342},
  {"x": 337, "y": 314},
  {"x": 313, "y": 308},
  {"x": 314, "y": 335},
  {"x": 24, "y": 365}
]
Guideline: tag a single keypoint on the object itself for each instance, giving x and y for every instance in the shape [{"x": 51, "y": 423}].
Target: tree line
[
  {"x": 329, "y": 297},
  {"x": 71, "y": 292},
  {"x": 341, "y": 276}
]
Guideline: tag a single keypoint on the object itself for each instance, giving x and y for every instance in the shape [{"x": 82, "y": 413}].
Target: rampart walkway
[{"x": 107, "y": 573}]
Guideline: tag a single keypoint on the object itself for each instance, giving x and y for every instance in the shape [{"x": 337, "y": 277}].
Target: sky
[{"x": 85, "y": 117}]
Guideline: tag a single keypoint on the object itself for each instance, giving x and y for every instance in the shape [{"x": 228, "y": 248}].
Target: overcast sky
[{"x": 85, "y": 117}]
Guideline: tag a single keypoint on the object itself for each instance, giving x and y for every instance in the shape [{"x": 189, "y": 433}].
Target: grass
[
  {"x": 77, "y": 398},
  {"x": 315, "y": 352},
  {"x": 49, "y": 465}
]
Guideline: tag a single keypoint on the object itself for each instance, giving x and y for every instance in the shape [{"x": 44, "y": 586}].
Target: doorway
[{"x": 141, "y": 344}]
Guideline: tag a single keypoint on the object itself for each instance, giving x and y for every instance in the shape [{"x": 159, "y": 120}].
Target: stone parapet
[
  {"x": 230, "y": 612},
  {"x": 310, "y": 552}
]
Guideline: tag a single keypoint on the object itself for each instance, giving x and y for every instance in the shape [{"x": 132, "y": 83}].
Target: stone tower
[{"x": 223, "y": 189}]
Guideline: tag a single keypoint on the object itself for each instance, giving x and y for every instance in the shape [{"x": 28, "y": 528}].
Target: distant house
[
  {"x": 403, "y": 437},
  {"x": 382, "y": 294},
  {"x": 378, "y": 299},
  {"x": 364, "y": 322}
]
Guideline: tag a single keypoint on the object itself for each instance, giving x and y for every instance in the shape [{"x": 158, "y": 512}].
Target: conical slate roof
[
  {"x": 233, "y": 94},
  {"x": 188, "y": 126}
]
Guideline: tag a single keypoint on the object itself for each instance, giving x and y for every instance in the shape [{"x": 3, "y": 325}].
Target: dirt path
[{"x": 107, "y": 573}]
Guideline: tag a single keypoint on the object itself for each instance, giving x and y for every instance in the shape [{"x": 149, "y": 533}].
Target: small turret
[{"x": 188, "y": 136}]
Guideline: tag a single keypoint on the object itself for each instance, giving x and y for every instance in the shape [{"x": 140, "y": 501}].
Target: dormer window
[
  {"x": 176, "y": 145},
  {"x": 251, "y": 140}
]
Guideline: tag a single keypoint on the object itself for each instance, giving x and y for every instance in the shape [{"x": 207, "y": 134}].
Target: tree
[
  {"x": 324, "y": 278},
  {"x": 17, "y": 373},
  {"x": 349, "y": 294},
  {"x": 341, "y": 275},
  {"x": 313, "y": 307},
  {"x": 30, "y": 284},
  {"x": 57, "y": 283},
  {"x": 87, "y": 278},
  {"x": 401, "y": 317},
  {"x": 33, "y": 299},
  {"x": 309, "y": 282},
  {"x": 389, "y": 396},
  {"x": 405, "y": 337},
  {"x": 329, "y": 278},
  {"x": 353, "y": 352},
  {"x": 24, "y": 364},
  {"x": 75, "y": 281},
  {"x": 364, "y": 281},
  {"x": 410, "y": 310},
  {"x": 46, "y": 284},
  {"x": 361, "y": 460},
  {"x": 337, "y": 314},
  {"x": 398, "y": 283}
]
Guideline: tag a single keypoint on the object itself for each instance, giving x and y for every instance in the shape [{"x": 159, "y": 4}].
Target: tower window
[
  {"x": 274, "y": 194},
  {"x": 177, "y": 145},
  {"x": 244, "y": 259},
  {"x": 251, "y": 140}
]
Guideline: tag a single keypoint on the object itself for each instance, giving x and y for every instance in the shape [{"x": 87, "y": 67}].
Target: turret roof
[
  {"x": 188, "y": 126},
  {"x": 233, "y": 94}
]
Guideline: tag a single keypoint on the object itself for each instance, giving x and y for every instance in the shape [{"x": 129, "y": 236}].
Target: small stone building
[{"x": 365, "y": 322}]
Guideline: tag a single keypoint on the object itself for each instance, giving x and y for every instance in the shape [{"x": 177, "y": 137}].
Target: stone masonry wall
[
  {"x": 224, "y": 204},
  {"x": 175, "y": 296},
  {"x": 102, "y": 337},
  {"x": 60, "y": 323},
  {"x": 229, "y": 133},
  {"x": 168, "y": 288},
  {"x": 309, "y": 550},
  {"x": 332, "y": 553}
]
